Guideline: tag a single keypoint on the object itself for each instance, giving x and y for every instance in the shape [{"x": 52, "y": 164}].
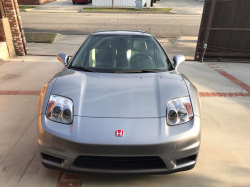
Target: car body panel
[
  {"x": 143, "y": 131},
  {"x": 95, "y": 136},
  {"x": 45, "y": 94},
  {"x": 142, "y": 95},
  {"x": 194, "y": 96}
]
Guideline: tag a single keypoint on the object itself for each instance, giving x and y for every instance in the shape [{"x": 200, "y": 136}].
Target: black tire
[{"x": 74, "y": 3}]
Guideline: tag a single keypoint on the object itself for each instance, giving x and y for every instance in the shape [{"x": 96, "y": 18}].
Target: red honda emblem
[{"x": 119, "y": 132}]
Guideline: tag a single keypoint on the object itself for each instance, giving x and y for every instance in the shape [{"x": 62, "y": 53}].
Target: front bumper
[{"x": 142, "y": 137}]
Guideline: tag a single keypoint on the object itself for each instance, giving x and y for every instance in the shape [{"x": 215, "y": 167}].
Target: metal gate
[{"x": 224, "y": 31}]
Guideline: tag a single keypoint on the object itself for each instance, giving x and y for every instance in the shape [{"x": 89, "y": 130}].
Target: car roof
[{"x": 121, "y": 32}]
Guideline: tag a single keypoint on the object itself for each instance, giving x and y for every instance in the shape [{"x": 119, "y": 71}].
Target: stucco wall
[
  {"x": 4, "y": 53},
  {"x": 5, "y": 27}
]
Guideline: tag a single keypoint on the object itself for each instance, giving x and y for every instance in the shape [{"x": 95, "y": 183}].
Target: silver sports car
[{"x": 119, "y": 106}]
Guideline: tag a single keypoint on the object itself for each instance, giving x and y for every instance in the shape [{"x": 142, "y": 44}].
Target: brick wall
[
  {"x": 33, "y": 2},
  {"x": 2, "y": 34},
  {"x": 13, "y": 14}
]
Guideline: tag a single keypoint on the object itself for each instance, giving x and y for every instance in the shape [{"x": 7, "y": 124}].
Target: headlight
[
  {"x": 179, "y": 111},
  {"x": 60, "y": 109}
]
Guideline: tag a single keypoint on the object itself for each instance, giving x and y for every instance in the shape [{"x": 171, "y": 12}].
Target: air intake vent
[
  {"x": 52, "y": 159},
  {"x": 186, "y": 160},
  {"x": 119, "y": 163}
]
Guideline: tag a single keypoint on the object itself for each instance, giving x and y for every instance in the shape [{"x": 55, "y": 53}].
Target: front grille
[{"x": 119, "y": 163}]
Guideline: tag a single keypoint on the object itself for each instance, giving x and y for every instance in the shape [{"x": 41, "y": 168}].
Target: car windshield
[{"x": 121, "y": 54}]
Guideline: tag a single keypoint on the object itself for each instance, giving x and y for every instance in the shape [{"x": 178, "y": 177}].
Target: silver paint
[
  {"x": 105, "y": 102},
  {"x": 178, "y": 59},
  {"x": 64, "y": 58}
]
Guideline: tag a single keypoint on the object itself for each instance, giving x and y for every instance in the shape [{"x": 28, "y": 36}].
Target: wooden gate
[{"x": 224, "y": 31}]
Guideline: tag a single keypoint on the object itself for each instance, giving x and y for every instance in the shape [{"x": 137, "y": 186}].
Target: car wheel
[{"x": 74, "y": 3}]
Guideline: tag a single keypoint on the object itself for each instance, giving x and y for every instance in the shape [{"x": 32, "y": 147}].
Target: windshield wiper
[
  {"x": 82, "y": 68},
  {"x": 151, "y": 70},
  {"x": 129, "y": 71},
  {"x": 138, "y": 71}
]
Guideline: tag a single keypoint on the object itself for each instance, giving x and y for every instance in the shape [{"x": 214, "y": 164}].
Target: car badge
[{"x": 119, "y": 133}]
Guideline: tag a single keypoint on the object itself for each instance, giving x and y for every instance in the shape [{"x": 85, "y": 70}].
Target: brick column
[
  {"x": 2, "y": 33},
  {"x": 12, "y": 13}
]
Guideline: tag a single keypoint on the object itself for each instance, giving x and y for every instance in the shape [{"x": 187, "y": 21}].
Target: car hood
[{"x": 110, "y": 95}]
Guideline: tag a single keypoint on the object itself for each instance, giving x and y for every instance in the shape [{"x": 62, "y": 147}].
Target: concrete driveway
[
  {"x": 182, "y": 7},
  {"x": 224, "y": 158}
]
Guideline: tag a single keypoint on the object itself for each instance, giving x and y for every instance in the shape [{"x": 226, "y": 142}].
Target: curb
[
  {"x": 33, "y": 54},
  {"x": 126, "y": 12},
  {"x": 26, "y": 10},
  {"x": 51, "y": 11}
]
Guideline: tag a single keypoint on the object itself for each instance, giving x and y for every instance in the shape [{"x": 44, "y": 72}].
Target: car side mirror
[
  {"x": 64, "y": 58},
  {"x": 178, "y": 59}
]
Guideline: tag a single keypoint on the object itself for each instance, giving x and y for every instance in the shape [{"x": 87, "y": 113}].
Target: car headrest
[
  {"x": 103, "y": 44},
  {"x": 103, "y": 55},
  {"x": 139, "y": 45}
]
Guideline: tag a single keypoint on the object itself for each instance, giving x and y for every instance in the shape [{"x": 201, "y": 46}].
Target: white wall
[{"x": 118, "y": 3}]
